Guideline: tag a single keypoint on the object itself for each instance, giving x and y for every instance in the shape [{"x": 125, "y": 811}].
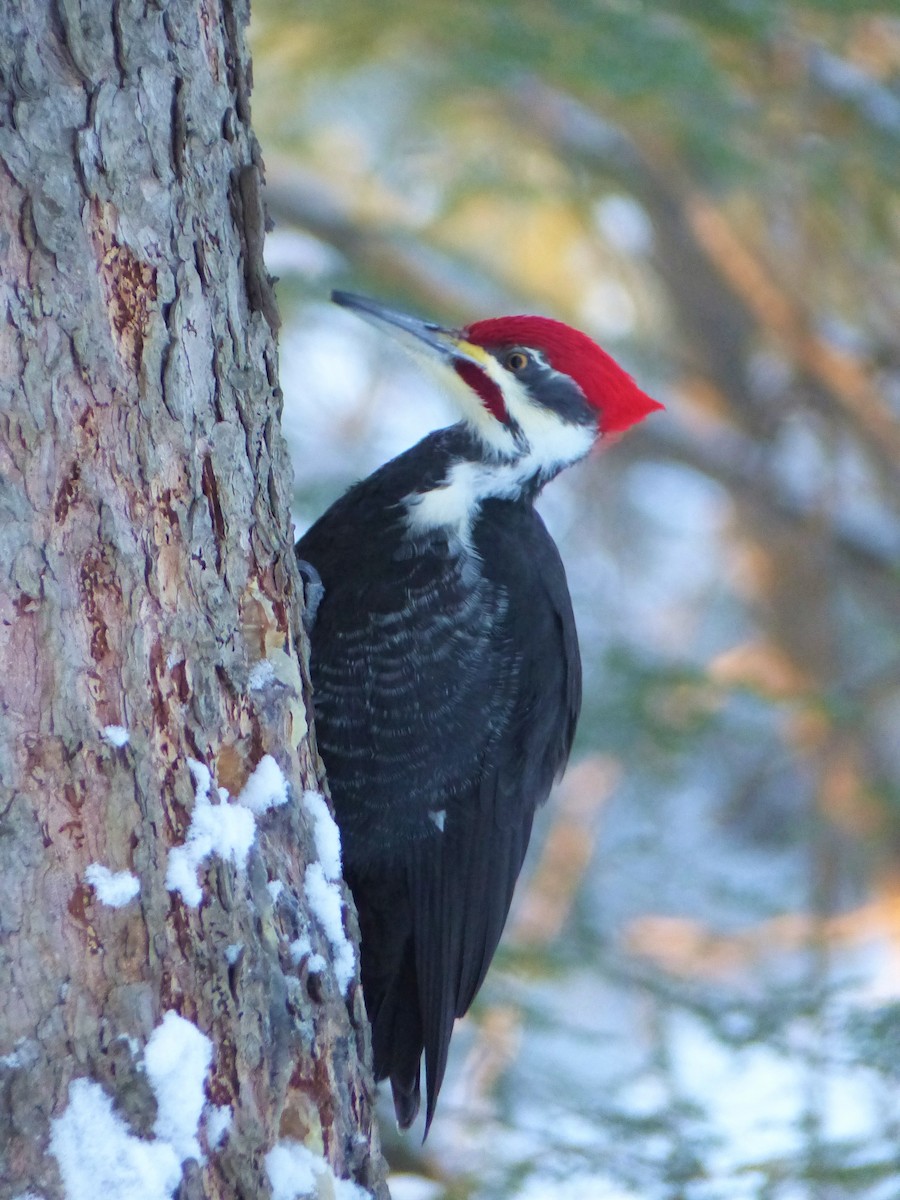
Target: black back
[{"x": 447, "y": 684}]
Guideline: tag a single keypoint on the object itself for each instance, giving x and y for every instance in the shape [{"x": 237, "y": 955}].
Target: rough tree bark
[{"x": 147, "y": 582}]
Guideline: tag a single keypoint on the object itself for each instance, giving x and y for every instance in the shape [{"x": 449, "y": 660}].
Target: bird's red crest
[{"x": 619, "y": 401}]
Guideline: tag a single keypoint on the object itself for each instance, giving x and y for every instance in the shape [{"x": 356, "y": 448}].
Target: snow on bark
[
  {"x": 96, "y": 1152},
  {"x": 117, "y": 889},
  {"x": 266, "y": 788},
  {"x": 177, "y": 1059},
  {"x": 116, "y": 735},
  {"x": 98, "y": 1156},
  {"x": 295, "y": 1172},
  {"x": 227, "y": 830},
  {"x": 325, "y": 900},
  {"x": 326, "y": 833}
]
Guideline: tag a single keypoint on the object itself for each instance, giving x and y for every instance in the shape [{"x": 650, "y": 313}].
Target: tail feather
[
  {"x": 397, "y": 1042},
  {"x": 406, "y": 1099},
  {"x": 429, "y": 931}
]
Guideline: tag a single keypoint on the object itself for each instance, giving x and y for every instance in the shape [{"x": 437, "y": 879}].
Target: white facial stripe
[
  {"x": 552, "y": 442},
  {"x": 455, "y": 505},
  {"x": 469, "y": 403}
]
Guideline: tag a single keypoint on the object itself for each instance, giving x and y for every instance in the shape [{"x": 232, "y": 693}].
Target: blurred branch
[
  {"x": 701, "y": 303},
  {"x": 691, "y": 949},
  {"x": 843, "y": 375},
  {"x": 441, "y": 284},
  {"x": 721, "y": 291},
  {"x": 742, "y": 466},
  {"x": 546, "y": 902},
  {"x": 845, "y": 81}
]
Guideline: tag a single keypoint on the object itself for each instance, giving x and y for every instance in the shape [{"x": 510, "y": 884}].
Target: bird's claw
[{"x": 313, "y": 591}]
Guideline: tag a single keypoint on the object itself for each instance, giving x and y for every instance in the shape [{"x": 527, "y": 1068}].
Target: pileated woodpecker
[{"x": 445, "y": 666}]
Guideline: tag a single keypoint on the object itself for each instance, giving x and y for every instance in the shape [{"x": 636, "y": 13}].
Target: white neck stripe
[{"x": 455, "y": 502}]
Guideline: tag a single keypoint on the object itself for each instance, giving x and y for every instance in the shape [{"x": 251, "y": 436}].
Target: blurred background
[{"x": 698, "y": 995}]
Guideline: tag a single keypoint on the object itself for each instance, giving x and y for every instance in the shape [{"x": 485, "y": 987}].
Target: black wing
[{"x": 446, "y": 685}]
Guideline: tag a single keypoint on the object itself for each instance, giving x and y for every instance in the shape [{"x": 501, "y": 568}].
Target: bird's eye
[{"x": 517, "y": 360}]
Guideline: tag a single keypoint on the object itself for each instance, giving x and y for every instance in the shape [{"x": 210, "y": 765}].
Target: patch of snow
[
  {"x": 114, "y": 890},
  {"x": 24, "y": 1056},
  {"x": 301, "y": 949},
  {"x": 97, "y": 1155},
  {"x": 275, "y": 887},
  {"x": 116, "y": 735},
  {"x": 289, "y": 1166},
  {"x": 326, "y": 834},
  {"x": 438, "y": 818},
  {"x": 177, "y": 1059},
  {"x": 295, "y": 1171},
  {"x": 266, "y": 788},
  {"x": 232, "y": 952},
  {"x": 325, "y": 900},
  {"x": 218, "y": 1122},
  {"x": 261, "y": 675},
  {"x": 225, "y": 829}
]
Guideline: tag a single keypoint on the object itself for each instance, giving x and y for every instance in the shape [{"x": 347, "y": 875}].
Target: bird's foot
[{"x": 313, "y": 591}]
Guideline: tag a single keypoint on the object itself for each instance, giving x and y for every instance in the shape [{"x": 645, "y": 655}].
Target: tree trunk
[{"x": 148, "y": 593}]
